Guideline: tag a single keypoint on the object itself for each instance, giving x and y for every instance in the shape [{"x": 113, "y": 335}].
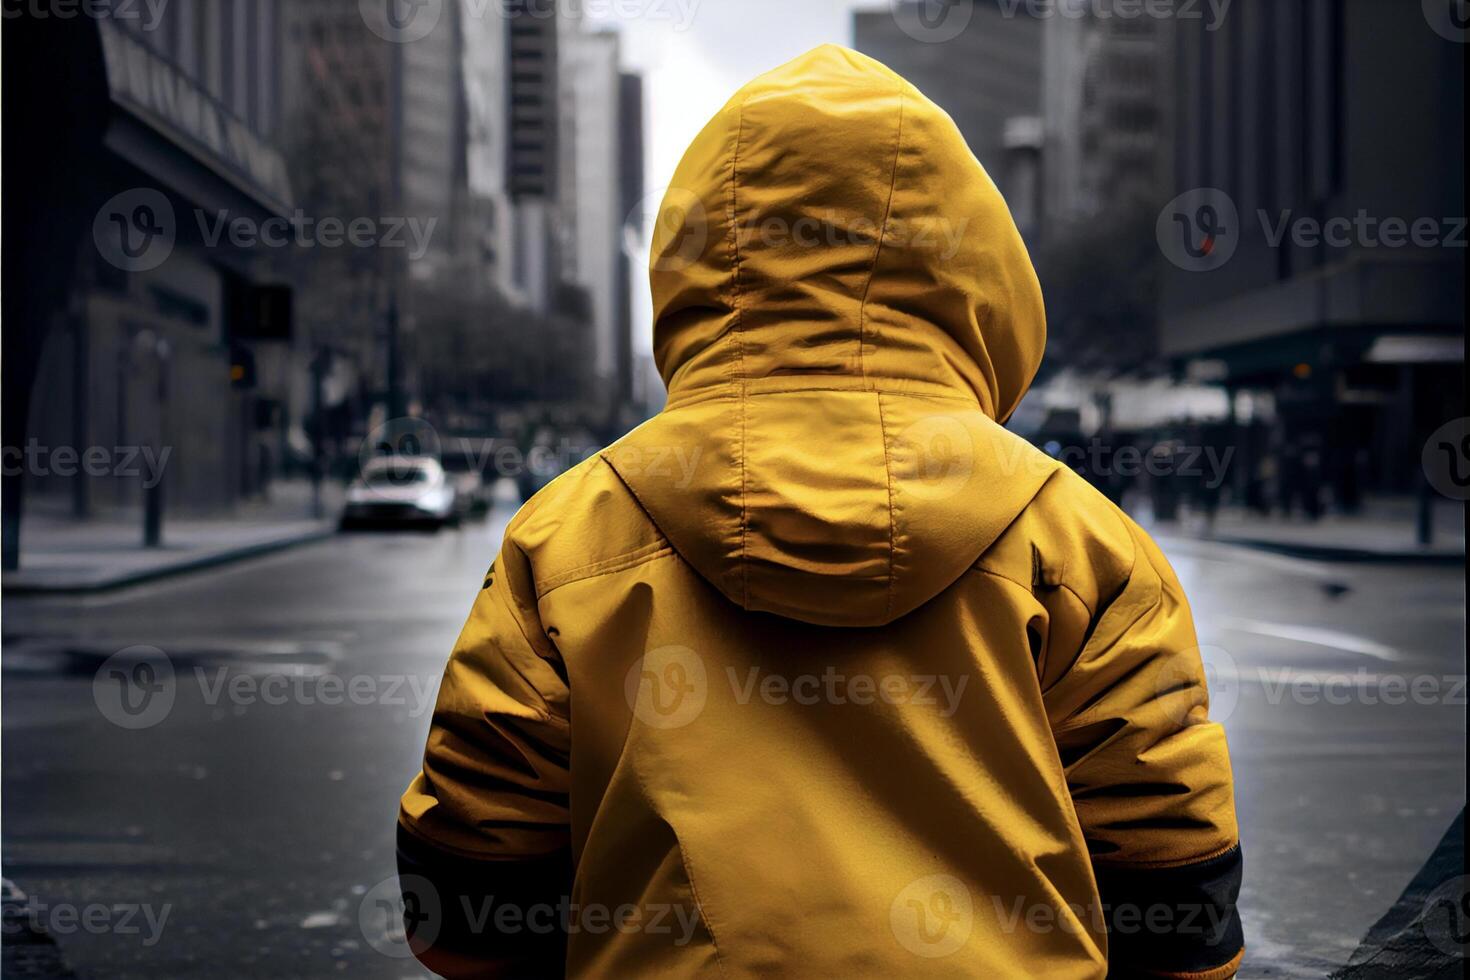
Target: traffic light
[{"x": 242, "y": 367}]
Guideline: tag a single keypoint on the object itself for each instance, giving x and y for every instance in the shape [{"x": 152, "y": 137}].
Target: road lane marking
[{"x": 1315, "y": 636}]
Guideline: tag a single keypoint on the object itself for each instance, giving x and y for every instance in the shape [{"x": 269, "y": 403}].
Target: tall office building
[
  {"x": 630, "y": 179},
  {"x": 985, "y": 75},
  {"x": 534, "y": 108},
  {"x": 487, "y": 100},
  {"x": 145, "y": 137},
  {"x": 338, "y": 133},
  {"x": 431, "y": 138},
  {"x": 1346, "y": 118},
  {"x": 597, "y": 238},
  {"x": 1104, "y": 108}
]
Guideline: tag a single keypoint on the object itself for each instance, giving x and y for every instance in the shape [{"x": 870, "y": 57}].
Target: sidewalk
[
  {"x": 29, "y": 951},
  {"x": 1385, "y": 531},
  {"x": 60, "y": 554},
  {"x": 1423, "y": 934}
]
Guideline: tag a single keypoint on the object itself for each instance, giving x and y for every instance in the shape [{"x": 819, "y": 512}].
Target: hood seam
[
  {"x": 735, "y": 336},
  {"x": 754, "y": 389},
  {"x": 892, "y": 518},
  {"x": 882, "y": 235}
]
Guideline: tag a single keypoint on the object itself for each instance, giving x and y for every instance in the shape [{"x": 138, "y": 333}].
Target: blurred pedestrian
[{"x": 1163, "y": 480}]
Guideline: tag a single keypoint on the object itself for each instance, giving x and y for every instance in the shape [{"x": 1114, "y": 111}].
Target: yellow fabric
[{"x": 987, "y": 669}]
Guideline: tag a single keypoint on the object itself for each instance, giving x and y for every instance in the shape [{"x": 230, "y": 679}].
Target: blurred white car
[{"x": 401, "y": 489}]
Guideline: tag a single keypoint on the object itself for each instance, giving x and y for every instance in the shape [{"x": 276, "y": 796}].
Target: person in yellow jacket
[{"x": 821, "y": 672}]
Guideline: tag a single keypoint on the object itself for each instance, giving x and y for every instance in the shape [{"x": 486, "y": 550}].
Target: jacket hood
[{"x": 844, "y": 311}]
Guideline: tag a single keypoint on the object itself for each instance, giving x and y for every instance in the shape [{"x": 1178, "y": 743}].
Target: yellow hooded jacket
[{"x": 821, "y": 672}]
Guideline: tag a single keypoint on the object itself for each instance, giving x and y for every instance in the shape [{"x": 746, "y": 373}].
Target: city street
[
  {"x": 284, "y": 271},
  {"x": 248, "y": 828}
]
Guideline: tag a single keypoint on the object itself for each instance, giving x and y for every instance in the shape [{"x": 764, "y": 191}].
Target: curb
[
  {"x": 183, "y": 566},
  {"x": 1421, "y": 935},
  {"x": 1324, "y": 552}
]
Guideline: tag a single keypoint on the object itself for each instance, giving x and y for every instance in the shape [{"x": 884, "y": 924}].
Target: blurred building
[
  {"x": 630, "y": 187},
  {"x": 569, "y": 126},
  {"x": 338, "y": 133},
  {"x": 1326, "y": 134},
  {"x": 203, "y": 173},
  {"x": 534, "y": 113},
  {"x": 597, "y": 238},
  {"x": 148, "y": 327},
  {"x": 488, "y": 94},
  {"x": 472, "y": 130},
  {"x": 1104, "y": 108},
  {"x": 989, "y": 72},
  {"x": 431, "y": 137}
]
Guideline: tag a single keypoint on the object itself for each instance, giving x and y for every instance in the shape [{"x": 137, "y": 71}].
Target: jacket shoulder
[
  {"x": 1069, "y": 536},
  {"x": 581, "y": 524}
]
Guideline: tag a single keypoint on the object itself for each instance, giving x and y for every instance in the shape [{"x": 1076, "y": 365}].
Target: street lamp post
[
  {"x": 320, "y": 366},
  {"x": 153, "y": 495},
  {"x": 395, "y": 195}
]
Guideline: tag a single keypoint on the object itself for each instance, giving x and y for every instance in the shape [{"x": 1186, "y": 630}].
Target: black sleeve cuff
[
  {"x": 509, "y": 915},
  {"x": 1177, "y": 921}
]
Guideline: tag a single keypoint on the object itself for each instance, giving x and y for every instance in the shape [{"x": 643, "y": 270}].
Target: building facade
[
  {"x": 160, "y": 335},
  {"x": 597, "y": 243},
  {"x": 1318, "y": 262},
  {"x": 983, "y": 76},
  {"x": 1105, "y": 107}
]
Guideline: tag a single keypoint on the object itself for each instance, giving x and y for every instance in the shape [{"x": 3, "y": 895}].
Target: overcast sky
[{"x": 694, "y": 54}]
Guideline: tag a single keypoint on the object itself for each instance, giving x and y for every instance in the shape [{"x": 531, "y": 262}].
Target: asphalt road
[{"x": 242, "y": 829}]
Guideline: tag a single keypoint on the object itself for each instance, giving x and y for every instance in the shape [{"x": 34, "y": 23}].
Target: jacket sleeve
[
  {"x": 484, "y": 853},
  {"x": 1150, "y": 779}
]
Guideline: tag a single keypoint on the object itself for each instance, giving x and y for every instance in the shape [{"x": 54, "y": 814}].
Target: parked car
[
  {"x": 472, "y": 496},
  {"x": 411, "y": 490}
]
